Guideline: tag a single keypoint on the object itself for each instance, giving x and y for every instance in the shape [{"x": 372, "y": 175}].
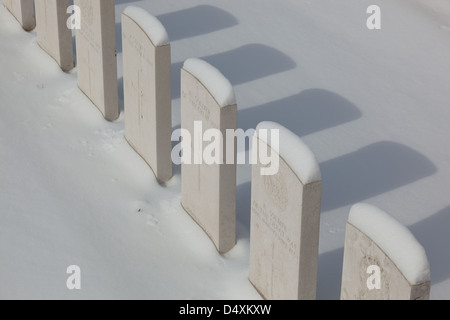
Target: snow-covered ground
[{"x": 372, "y": 105}]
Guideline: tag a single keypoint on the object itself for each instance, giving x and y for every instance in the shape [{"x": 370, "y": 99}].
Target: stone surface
[
  {"x": 96, "y": 55},
  {"x": 52, "y": 32},
  {"x": 209, "y": 190},
  {"x": 284, "y": 235},
  {"x": 148, "y": 100},
  {"x": 361, "y": 252},
  {"x": 23, "y": 11}
]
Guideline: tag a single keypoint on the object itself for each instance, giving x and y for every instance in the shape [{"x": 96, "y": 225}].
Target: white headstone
[
  {"x": 147, "y": 89},
  {"x": 96, "y": 55},
  {"x": 209, "y": 188},
  {"x": 285, "y": 217},
  {"x": 53, "y": 35},
  {"x": 23, "y": 11},
  {"x": 382, "y": 259}
]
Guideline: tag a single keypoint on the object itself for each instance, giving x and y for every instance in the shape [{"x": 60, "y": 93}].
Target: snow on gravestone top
[
  {"x": 216, "y": 83},
  {"x": 394, "y": 239},
  {"x": 149, "y": 24},
  {"x": 294, "y": 151}
]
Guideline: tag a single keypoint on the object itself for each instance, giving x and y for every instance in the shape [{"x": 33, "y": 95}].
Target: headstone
[
  {"x": 285, "y": 217},
  {"x": 53, "y": 35},
  {"x": 382, "y": 259},
  {"x": 96, "y": 55},
  {"x": 23, "y": 11},
  {"x": 209, "y": 188},
  {"x": 147, "y": 89}
]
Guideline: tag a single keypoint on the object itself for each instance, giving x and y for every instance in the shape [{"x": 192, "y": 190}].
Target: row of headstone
[
  {"x": 285, "y": 206},
  {"x": 95, "y": 41}
]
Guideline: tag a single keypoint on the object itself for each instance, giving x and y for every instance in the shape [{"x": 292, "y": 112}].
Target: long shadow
[
  {"x": 433, "y": 233},
  {"x": 121, "y": 94},
  {"x": 188, "y": 23},
  {"x": 370, "y": 171},
  {"x": 74, "y": 48},
  {"x": 196, "y": 21},
  {"x": 176, "y": 167},
  {"x": 118, "y": 37},
  {"x": 126, "y": 1},
  {"x": 309, "y": 111},
  {"x": 243, "y": 205},
  {"x": 246, "y": 63},
  {"x": 329, "y": 275}
]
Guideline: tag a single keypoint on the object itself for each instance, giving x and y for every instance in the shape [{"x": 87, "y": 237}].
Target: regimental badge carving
[{"x": 366, "y": 261}]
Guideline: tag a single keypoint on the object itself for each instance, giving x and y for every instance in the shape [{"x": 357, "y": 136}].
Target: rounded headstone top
[
  {"x": 216, "y": 83},
  {"x": 293, "y": 150},
  {"x": 149, "y": 24},
  {"x": 394, "y": 239}
]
